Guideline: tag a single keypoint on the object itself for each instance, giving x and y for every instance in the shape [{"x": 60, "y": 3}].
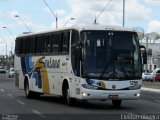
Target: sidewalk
[{"x": 151, "y": 89}]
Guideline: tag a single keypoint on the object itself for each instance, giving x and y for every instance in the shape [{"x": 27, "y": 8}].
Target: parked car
[
  {"x": 156, "y": 74},
  {"x": 2, "y": 70},
  {"x": 146, "y": 76},
  {"x": 11, "y": 72}
]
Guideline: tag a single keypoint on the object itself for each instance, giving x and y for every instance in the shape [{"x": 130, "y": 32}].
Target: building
[{"x": 153, "y": 56}]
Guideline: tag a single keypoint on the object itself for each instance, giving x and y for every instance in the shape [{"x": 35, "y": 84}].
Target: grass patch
[{"x": 155, "y": 85}]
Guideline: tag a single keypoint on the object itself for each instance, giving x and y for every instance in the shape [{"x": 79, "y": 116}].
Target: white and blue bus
[{"x": 81, "y": 62}]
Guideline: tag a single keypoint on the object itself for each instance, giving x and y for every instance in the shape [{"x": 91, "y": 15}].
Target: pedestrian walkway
[{"x": 151, "y": 89}]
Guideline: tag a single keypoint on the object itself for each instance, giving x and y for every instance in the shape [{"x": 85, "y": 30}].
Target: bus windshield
[{"x": 111, "y": 55}]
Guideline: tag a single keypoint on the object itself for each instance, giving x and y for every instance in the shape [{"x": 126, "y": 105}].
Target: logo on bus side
[{"x": 52, "y": 63}]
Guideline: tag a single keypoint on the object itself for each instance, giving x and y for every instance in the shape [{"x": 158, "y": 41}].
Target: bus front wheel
[
  {"x": 116, "y": 103},
  {"x": 66, "y": 95}
]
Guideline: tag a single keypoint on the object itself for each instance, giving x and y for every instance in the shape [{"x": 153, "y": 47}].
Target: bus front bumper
[{"x": 88, "y": 94}]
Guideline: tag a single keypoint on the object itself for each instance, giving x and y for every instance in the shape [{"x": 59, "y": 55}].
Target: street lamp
[
  {"x": 68, "y": 21},
  {"x": 96, "y": 17},
  {"x": 5, "y": 44},
  {"x": 6, "y": 47},
  {"x": 9, "y": 31},
  {"x": 55, "y": 15},
  {"x": 23, "y": 22}
]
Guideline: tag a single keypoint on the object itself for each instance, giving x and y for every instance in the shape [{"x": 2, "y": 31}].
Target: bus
[{"x": 95, "y": 62}]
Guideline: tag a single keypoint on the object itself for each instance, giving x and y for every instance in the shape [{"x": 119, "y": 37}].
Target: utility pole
[
  {"x": 123, "y": 13},
  {"x": 146, "y": 67}
]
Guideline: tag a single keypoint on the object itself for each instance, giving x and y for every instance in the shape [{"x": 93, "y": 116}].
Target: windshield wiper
[{"x": 125, "y": 73}]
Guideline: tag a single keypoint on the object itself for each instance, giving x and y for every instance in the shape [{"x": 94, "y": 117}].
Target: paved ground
[
  {"x": 14, "y": 104},
  {"x": 151, "y": 90}
]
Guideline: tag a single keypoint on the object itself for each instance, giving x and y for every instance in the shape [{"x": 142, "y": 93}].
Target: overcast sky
[{"x": 142, "y": 13}]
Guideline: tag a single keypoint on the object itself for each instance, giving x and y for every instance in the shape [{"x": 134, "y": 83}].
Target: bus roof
[{"x": 84, "y": 27}]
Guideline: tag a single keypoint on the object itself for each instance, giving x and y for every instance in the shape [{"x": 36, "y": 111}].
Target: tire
[
  {"x": 28, "y": 93},
  {"x": 68, "y": 100},
  {"x": 116, "y": 103}
]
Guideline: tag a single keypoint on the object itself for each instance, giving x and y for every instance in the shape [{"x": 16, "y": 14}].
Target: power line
[
  {"x": 95, "y": 21},
  {"x": 55, "y": 15}
]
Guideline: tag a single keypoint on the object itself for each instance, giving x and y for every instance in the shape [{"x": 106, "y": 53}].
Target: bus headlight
[
  {"x": 137, "y": 95},
  {"x": 89, "y": 86},
  {"x": 84, "y": 94}
]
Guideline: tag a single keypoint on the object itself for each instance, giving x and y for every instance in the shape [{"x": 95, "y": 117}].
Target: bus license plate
[{"x": 113, "y": 97}]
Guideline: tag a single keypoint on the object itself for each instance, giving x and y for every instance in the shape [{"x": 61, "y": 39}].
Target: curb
[{"x": 151, "y": 89}]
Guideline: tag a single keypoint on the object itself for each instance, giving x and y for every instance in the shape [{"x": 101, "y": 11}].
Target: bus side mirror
[{"x": 144, "y": 54}]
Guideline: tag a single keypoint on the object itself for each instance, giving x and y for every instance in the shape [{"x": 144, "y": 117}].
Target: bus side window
[
  {"x": 30, "y": 45},
  {"x": 52, "y": 38},
  {"x": 18, "y": 46},
  {"x": 55, "y": 43},
  {"x": 37, "y": 47},
  {"x": 23, "y": 46},
  {"x": 42, "y": 48},
  {"x": 49, "y": 43},
  {"x": 65, "y": 42},
  {"x": 46, "y": 40},
  {"x": 27, "y": 46},
  {"x": 46, "y": 44},
  {"x": 48, "y": 48},
  {"x": 43, "y": 43}
]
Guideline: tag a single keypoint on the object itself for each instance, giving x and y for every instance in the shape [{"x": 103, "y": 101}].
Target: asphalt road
[{"x": 14, "y": 105}]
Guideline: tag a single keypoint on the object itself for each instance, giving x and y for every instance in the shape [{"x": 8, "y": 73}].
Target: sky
[{"x": 37, "y": 17}]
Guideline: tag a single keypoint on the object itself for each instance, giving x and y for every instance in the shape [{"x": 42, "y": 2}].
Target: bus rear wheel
[
  {"x": 116, "y": 103},
  {"x": 28, "y": 93}
]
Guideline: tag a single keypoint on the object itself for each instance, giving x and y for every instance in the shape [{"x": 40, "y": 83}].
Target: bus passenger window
[
  {"x": 48, "y": 44},
  {"x": 48, "y": 48},
  {"x": 18, "y": 46},
  {"x": 23, "y": 46},
  {"x": 37, "y": 47},
  {"x": 65, "y": 42},
  {"x": 55, "y": 44}
]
